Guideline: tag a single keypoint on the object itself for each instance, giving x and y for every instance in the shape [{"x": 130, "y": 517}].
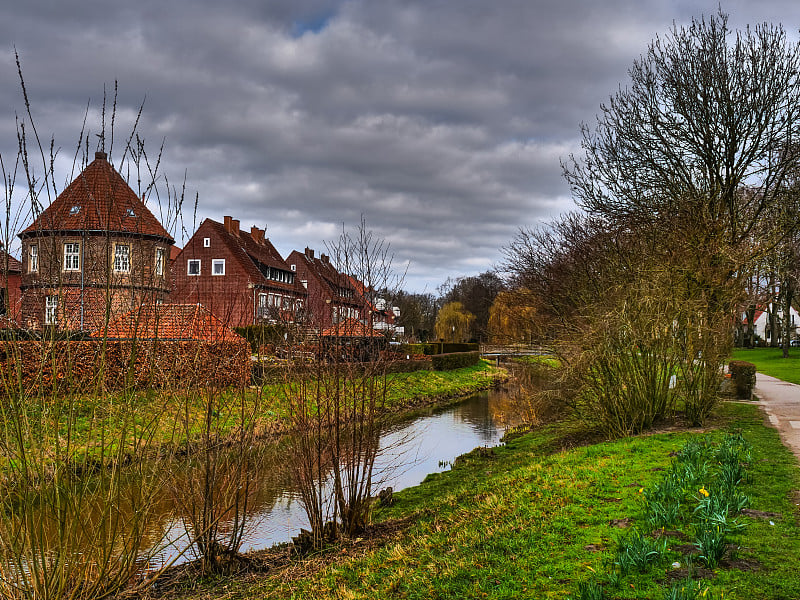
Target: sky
[{"x": 441, "y": 123}]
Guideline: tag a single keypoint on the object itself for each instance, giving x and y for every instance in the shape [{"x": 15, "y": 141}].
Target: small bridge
[{"x": 500, "y": 352}]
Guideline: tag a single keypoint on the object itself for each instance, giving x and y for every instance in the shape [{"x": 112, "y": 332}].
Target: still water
[{"x": 424, "y": 443}]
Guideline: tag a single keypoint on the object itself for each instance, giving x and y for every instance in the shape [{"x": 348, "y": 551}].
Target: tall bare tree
[{"x": 707, "y": 112}]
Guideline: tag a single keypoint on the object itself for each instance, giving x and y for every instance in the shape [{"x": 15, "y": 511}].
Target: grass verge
[
  {"x": 532, "y": 519},
  {"x": 770, "y": 361}
]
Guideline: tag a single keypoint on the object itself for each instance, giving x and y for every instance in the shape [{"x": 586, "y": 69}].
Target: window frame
[
  {"x": 189, "y": 267},
  {"x": 158, "y": 266},
  {"x": 206, "y": 242},
  {"x": 74, "y": 257},
  {"x": 118, "y": 256},
  {"x": 33, "y": 258},
  {"x": 51, "y": 309},
  {"x": 214, "y": 263}
]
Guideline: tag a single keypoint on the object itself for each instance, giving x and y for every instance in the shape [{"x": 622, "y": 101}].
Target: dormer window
[
  {"x": 130, "y": 213},
  {"x": 74, "y": 210}
]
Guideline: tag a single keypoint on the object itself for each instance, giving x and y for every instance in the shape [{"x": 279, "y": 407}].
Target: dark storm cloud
[{"x": 442, "y": 122}]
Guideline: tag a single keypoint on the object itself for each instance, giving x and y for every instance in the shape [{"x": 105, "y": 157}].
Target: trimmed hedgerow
[
  {"x": 743, "y": 375},
  {"x": 61, "y": 366},
  {"x": 432, "y": 348}
]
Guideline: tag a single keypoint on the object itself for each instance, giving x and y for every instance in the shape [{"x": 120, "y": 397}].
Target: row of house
[{"x": 97, "y": 252}]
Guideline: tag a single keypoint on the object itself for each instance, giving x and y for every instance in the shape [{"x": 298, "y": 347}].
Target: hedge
[
  {"x": 61, "y": 366},
  {"x": 743, "y": 375},
  {"x": 432, "y": 348},
  {"x": 455, "y": 360}
]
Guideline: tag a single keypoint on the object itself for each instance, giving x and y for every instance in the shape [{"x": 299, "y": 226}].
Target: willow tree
[{"x": 453, "y": 322}]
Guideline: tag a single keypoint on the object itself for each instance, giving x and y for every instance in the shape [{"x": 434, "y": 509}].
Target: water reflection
[{"x": 411, "y": 449}]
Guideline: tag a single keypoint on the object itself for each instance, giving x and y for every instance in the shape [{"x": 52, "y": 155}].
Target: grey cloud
[{"x": 441, "y": 121}]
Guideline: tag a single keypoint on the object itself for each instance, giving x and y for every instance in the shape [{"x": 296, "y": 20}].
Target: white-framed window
[
  {"x": 72, "y": 256},
  {"x": 50, "y": 310},
  {"x": 122, "y": 258},
  {"x": 193, "y": 267},
  {"x": 33, "y": 258},
  {"x": 294, "y": 267},
  {"x": 159, "y": 266},
  {"x": 218, "y": 266},
  {"x": 75, "y": 210},
  {"x": 263, "y": 309},
  {"x": 206, "y": 242}
]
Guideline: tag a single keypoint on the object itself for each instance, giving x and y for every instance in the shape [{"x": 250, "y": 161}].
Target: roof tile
[{"x": 98, "y": 199}]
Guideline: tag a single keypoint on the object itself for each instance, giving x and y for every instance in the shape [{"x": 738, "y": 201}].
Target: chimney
[
  {"x": 309, "y": 252},
  {"x": 325, "y": 258},
  {"x": 257, "y": 235},
  {"x": 226, "y": 223},
  {"x": 100, "y": 155},
  {"x": 235, "y": 227}
]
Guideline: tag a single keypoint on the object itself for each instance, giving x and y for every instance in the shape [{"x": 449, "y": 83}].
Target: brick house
[
  {"x": 239, "y": 276},
  {"x": 10, "y": 281},
  {"x": 95, "y": 252},
  {"x": 331, "y": 295},
  {"x": 380, "y": 315}
]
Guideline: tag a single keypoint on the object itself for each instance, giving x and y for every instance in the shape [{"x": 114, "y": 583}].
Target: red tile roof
[
  {"x": 351, "y": 328},
  {"x": 252, "y": 254},
  {"x": 98, "y": 199},
  {"x": 14, "y": 266},
  {"x": 170, "y": 322}
]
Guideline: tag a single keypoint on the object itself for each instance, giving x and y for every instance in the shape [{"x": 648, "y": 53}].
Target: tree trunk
[{"x": 788, "y": 296}]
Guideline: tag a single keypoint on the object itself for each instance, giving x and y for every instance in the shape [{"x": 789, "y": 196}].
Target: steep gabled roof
[
  {"x": 253, "y": 254},
  {"x": 170, "y": 322},
  {"x": 14, "y": 266},
  {"x": 325, "y": 272},
  {"x": 98, "y": 199}
]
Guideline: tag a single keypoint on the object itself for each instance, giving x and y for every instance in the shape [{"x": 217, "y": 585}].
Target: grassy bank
[
  {"x": 177, "y": 417},
  {"x": 532, "y": 519},
  {"x": 770, "y": 361}
]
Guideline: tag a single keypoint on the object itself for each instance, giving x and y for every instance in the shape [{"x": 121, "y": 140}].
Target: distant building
[
  {"x": 10, "y": 281},
  {"x": 332, "y": 298},
  {"x": 239, "y": 276},
  {"x": 94, "y": 253}
]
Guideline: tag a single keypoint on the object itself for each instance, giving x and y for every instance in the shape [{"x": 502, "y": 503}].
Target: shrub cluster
[
  {"x": 455, "y": 360},
  {"x": 743, "y": 375},
  {"x": 45, "y": 366}
]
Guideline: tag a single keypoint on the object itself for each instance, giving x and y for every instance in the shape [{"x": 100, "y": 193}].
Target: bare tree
[
  {"x": 336, "y": 404},
  {"x": 707, "y": 112}
]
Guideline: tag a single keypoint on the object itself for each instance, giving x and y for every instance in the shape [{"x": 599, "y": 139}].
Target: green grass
[
  {"x": 528, "y": 520},
  {"x": 770, "y": 361},
  {"x": 176, "y": 417}
]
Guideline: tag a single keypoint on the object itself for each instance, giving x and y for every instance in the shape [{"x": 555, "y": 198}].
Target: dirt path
[{"x": 781, "y": 401}]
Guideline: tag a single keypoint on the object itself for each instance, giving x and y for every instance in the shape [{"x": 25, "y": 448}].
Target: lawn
[
  {"x": 770, "y": 361},
  {"x": 537, "y": 517}
]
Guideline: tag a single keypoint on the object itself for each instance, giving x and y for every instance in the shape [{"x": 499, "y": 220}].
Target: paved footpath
[{"x": 781, "y": 401}]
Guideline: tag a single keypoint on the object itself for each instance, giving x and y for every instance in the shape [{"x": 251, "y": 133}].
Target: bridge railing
[{"x": 514, "y": 350}]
